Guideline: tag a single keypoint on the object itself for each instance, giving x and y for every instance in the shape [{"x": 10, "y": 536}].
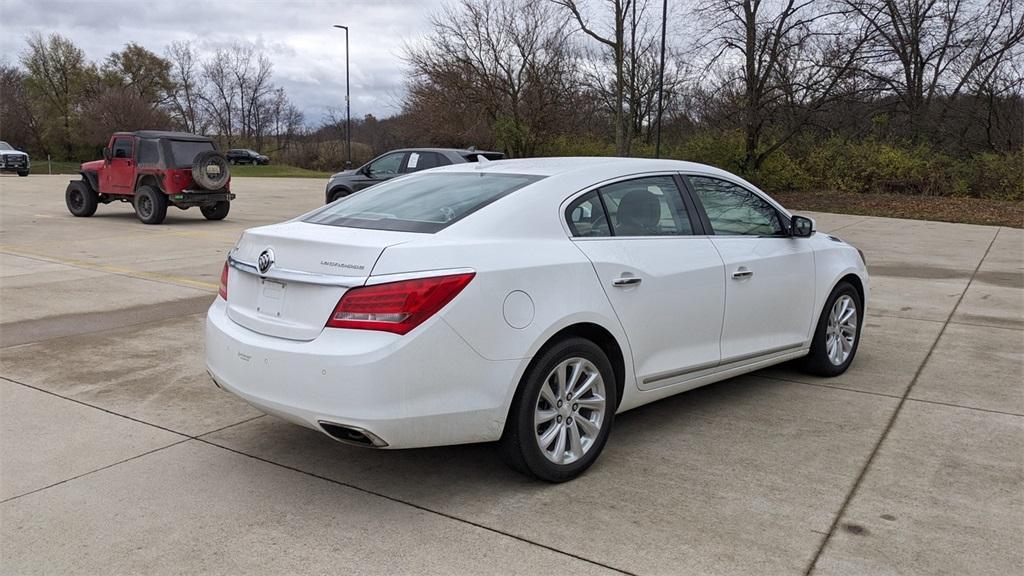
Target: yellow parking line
[{"x": 139, "y": 274}]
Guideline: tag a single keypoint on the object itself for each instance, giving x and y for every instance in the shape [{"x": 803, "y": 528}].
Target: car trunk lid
[{"x": 312, "y": 266}]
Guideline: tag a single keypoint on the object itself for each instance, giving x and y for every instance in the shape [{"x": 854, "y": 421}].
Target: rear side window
[
  {"x": 419, "y": 203},
  {"x": 149, "y": 152},
  {"x": 650, "y": 206},
  {"x": 587, "y": 218},
  {"x": 425, "y": 160}
]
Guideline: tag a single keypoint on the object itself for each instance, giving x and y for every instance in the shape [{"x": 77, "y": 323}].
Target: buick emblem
[{"x": 266, "y": 260}]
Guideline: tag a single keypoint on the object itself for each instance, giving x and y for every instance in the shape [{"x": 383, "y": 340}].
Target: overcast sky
[{"x": 308, "y": 54}]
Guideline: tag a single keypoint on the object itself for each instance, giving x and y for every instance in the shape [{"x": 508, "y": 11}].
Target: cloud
[{"x": 307, "y": 52}]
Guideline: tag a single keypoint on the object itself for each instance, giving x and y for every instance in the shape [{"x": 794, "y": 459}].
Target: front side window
[
  {"x": 386, "y": 165},
  {"x": 5, "y": 146},
  {"x": 122, "y": 148},
  {"x": 183, "y": 152},
  {"x": 735, "y": 211},
  {"x": 419, "y": 203}
]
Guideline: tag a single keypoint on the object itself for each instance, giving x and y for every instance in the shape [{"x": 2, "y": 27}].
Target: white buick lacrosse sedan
[{"x": 526, "y": 302}]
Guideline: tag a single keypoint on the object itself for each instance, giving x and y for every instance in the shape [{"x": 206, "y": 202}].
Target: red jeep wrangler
[{"x": 152, "y": 169}]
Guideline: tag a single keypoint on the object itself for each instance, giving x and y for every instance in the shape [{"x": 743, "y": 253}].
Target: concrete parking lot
[{"x": 118, "y": 455}]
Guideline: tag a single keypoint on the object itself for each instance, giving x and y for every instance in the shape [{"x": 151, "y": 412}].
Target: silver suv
[{"x": 398, "y": 162}]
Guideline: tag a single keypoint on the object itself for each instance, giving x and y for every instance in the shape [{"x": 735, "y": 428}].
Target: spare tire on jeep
[{"x": 210, "y": 170}]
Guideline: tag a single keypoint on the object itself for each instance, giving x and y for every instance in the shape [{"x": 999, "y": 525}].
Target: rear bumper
[
  {"x": 427, "y": 388},
  {"x": 200, "y": 198}
]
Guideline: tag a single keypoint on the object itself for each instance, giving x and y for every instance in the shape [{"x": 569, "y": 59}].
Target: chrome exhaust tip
[{"x": 351, "y": 434}]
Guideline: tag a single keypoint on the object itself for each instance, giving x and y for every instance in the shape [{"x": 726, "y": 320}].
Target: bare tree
[
  {"x": 511, "y": 60},
  {"x": 284, "y": 119},
  {"x": 219, "y": 97},
  {"x": 19, "y": 114},
  {"x": 186, "y": 88},
  {"x": 925, "y": 50},
  {"x": 615, "y": 42},
  {"x": 785, "y": 60}
]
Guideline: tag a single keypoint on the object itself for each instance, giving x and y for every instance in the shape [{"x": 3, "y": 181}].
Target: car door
[
  {"x": 769, "y": 275},
  {"x": 380, "y": 169},
  {"x": 662, "y": 276},
  {"x": 119, "y": 173}
]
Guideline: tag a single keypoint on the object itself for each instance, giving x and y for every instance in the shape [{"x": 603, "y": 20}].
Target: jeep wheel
[
  {"x": 23, "y": 173},
  {"x": 80, "y": 198},
  {"x": 216, "y": 212},
  {"x": 150, "y": 205},
  {"x": 210, "y": 170}
]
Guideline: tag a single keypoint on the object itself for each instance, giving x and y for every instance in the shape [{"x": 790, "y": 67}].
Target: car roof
[
  {"x": 443, "y": 150},
  {"x": 167, "y": 135},
  {"x": 556, "y": 166}
]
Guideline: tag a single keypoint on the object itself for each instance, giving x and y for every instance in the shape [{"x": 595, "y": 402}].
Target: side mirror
[
  {"x": 801, "y": 227},
  {"x": 106, "y": 155}
]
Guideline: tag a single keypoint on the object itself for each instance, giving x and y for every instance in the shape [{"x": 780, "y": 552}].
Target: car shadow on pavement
[{"x": 747, "y": 417}]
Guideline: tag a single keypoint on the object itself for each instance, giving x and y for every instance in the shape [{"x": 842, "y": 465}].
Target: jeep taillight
[
  {"x": 223, "y": 290},
  {"x": 396, "y": 307}
]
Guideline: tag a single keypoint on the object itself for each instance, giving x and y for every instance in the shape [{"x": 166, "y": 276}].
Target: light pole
[
  {"x": 661, "y": 78},
  {"x": 348, "y": 103}
]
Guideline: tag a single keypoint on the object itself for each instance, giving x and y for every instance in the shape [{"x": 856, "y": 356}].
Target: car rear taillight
[
  {"x": 223, "y": 291},
  {"x": 396, "y": 307}
]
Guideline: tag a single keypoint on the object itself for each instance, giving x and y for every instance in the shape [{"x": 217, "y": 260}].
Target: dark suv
[
  {"x": 246, "y": 156},
  {"x": 398, "y": 162}
]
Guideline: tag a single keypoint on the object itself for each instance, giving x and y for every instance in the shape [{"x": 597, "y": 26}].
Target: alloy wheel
[
  {"x": 841, "y": 332},
  {"x": 569, "y": 411}
]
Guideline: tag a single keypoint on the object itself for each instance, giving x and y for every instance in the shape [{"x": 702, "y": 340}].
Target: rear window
[
  {"x": 183, "y": 152},
  {"x": 420, "y": 203}
]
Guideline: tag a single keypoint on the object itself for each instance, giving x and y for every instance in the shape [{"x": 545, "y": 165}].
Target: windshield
[
  {"x": 420, "y": 203},
  {"x": 5, "y": 146},
  {"x": 184, "y": 152}
]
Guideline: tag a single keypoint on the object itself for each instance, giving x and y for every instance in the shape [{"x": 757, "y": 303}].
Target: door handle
[
  {"x": 742, "y": 273},
  {"x": 625, "y": 281}
]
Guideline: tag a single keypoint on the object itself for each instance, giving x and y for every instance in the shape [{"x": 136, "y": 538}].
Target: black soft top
[{"x": 164, "y": 135}]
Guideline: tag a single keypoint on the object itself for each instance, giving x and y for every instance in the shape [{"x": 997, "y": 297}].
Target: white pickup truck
[{"x": 13, "y": 160}]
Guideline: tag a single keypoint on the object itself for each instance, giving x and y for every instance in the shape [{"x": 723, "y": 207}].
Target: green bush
[
  {"x": 778, "y": 172},
  {"x": 577, "y": 146},
  {"x": 871, "y": 166},
  {"x": 998, "y": 176},
  {"x": 864, "y": 166}
]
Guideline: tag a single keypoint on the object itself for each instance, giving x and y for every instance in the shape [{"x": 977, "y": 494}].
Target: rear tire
[
  {"x": 216, "y": 212},
  {"x": 80, "y": 198},
  {"x": 150, "y": 205},
  {"x": 834, "y": 347},
  {"x": 550, "y": 434}
]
